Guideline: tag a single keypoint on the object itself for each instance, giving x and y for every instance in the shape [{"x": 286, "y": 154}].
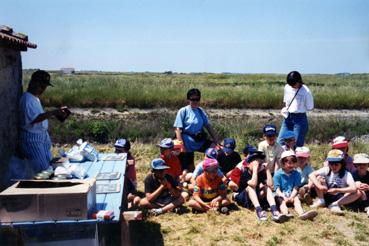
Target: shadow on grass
[{"x": 146, "y": 233}]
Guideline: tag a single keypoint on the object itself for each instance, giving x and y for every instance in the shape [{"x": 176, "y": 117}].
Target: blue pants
[
  {"x": 36, "y": 146},
  {"x": 297, "y": 123}
]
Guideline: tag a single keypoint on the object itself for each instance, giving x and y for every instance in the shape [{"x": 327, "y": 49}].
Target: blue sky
[{"x": 244, "y": 36}]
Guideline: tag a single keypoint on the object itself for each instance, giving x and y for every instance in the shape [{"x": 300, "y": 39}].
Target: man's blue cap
[
  {"x": 166, "y": 143},
  {"x": 249, "y": 149},
  {"x": 229, "y": 145},
  {"x": 158, "y": 164},
  {"x": 270, "y": 130}
]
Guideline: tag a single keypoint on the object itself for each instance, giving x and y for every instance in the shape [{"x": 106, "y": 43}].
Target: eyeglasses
[{"x": 197, "y": 99}]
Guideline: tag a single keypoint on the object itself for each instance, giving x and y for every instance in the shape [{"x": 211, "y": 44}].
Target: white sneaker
[
  {"x": 336, "y": 209},
  {"x": 318, "y": 204},
  {"x": 367, "y": 211}
]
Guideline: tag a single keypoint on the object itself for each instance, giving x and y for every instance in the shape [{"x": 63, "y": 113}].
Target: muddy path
[{"x": 221, "y": 113}]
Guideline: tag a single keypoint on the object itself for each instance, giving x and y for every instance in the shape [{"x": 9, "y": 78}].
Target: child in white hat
[{"x": 361, "y": 177}]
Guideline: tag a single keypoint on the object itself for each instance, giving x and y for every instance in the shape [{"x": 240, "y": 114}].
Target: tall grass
[
  {"x": 151, "y": 90},
  {"x": 153, "y": 126}
]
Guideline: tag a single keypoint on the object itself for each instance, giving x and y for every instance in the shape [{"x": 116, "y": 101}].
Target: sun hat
[
  {"x": 255, "y": 155},
  {"x": 158, "y": 164},
  {"x": 335, "y": 155},
  {"x": 211, "y": 153},
  {"x": 249, "y": 149},
  {"x": 270, "y": 130},
  {"x": 302, "y": 152},
  {"x": 166, "y": 143},
  {"x": 339, "y": 142},
  {"x": 210, "y": 164},
  {"x": 361, "y": 158},
  {"x": 122, "y": 143},
  {"x": 287, "y": 153},
  {"x": 229, "y": 145}
]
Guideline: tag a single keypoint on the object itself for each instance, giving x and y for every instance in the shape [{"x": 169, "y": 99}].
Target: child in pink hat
[
  {"x": 304, "y": 168},
  {"x": 210, "y": 192},
  {"x": 342, "y": 144}
]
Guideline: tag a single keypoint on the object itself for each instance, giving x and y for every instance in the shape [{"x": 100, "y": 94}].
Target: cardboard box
[{"x": 37, "y": 200}]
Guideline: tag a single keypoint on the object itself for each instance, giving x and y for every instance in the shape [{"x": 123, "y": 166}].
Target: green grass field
[
  {"x": 265, "y": 91},
  {"x": 154, "y": 90}
]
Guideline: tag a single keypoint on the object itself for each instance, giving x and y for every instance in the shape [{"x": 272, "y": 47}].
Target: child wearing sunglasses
[{"x": 336, "y": 186}]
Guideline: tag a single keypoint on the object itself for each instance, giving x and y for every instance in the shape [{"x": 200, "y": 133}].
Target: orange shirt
[
  {"x": 173, "y": 162},
  {"x": 209, "y": 189}
]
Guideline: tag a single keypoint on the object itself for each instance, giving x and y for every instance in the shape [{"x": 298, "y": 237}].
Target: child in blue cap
[
  {"x": 163, "y": 194},
  {"x": 228, "y": 158},
  {"x": 123, "y": 145},
  {"x": 271, "y": 149}
]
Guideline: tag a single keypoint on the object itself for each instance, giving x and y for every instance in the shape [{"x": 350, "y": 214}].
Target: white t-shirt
[
  {"x": 334, "y": 180},
  {"x": 272, "y": 153},
  {"x": 30, "y": 107},
  {"x": 303, "y": 101}
]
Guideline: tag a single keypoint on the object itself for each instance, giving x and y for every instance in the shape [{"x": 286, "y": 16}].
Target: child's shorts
[
  {"x": 279, "y": 200},
  {"x": 162, "y": 201},
  {"x": 329, "y": 198},
  {"x": 243, "y": 200}
]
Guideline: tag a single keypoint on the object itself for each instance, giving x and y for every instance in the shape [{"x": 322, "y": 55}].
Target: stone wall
[{"x": 10, "y": 92}]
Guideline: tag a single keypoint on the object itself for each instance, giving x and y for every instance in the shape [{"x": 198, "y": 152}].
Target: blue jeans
[{"x": 297, "y": 123}]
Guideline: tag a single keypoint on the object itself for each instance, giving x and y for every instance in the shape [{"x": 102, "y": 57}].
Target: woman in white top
[
  {"x": 34, "y": 140},
  {"x": 298, "y": 100}
]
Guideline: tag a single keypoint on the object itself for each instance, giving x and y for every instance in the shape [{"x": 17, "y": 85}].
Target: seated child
[
  {"x": 236, "y": 173},
  {"x": 166, "y": 153},
  {"x": 227, "y": 157},
  {"x": 162, "y": 192},
  {"x": 361, "y": 176},
  {"x": 210, "y": 192},
  {"x": 272, "y": 150},
  {"x": 289, "y": 140},
  {"x": 336, "y": 187},
  {"x": 286, "y": 183},
  {"x": 209, "y": 153},
  {"x": 304, "y": 168},
  {"x": 255, "y": 183},
  {"x": 123, "y": 146},
  {"x": 342, "y": 144}
]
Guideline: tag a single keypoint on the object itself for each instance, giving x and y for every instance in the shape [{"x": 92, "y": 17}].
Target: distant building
[
  {"x": 11, "y": 45},
  {"x": 67, "y": 70}
]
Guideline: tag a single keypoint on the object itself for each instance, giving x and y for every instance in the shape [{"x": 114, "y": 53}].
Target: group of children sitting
[{"x": 273, "y": 176}]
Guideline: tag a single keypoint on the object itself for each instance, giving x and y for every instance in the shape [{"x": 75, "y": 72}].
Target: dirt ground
[{"x": 226, "y": 113}]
